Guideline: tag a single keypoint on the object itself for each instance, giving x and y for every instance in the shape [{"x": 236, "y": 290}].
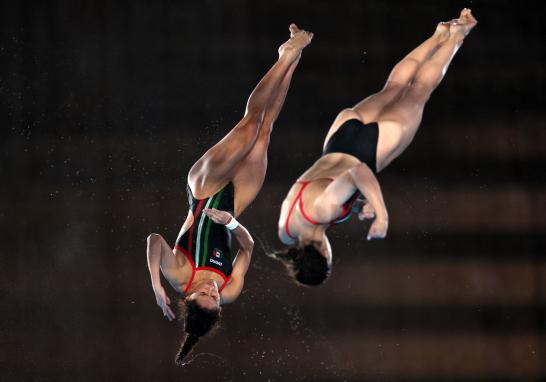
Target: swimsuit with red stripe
[
  {"x": 353, "y": 138},
  {"x": 344, "y": 216},
  {"x": 207, "y": 244}
]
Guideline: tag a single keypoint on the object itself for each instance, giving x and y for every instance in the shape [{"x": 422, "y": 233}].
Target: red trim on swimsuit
[
  {"x": 304, "y": 183},
  {"x": 187, "y": 253},
  {"x": 194, "y": 270},
  {"x": 197, "y": 211}
]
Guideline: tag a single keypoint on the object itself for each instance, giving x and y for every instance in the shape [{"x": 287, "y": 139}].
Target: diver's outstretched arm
[{"x": 159, "y": 255}]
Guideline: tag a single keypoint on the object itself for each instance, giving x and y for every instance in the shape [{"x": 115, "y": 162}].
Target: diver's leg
[
  {"x": 250, "y": 174},
  {"x": 401, "y": 76},
  {"x": 217, "y": 166},
  {"x": 399, "y": 79},
  {"x": 400, "y": 120}
]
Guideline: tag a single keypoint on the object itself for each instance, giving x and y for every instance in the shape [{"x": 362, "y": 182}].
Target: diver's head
[
  {"x": 309, "y": 262},
  {"x": 201, "y": 313},
  {"x": 205, "y": 294}
]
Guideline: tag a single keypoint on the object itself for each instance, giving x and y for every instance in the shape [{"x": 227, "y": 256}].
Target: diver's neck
[{"x": 312, "y": 232}]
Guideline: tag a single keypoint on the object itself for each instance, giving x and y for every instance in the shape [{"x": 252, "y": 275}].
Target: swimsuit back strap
[
  {"x": 299, "y": 199},
  {"x": 298, "y": 196},
  {"x": 305, "y": 216}
]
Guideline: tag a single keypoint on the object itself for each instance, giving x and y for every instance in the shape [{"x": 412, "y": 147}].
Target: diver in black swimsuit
[
  {"x": 361, "y": 142},
  {"x": 207, "y": 244},
  {"x": 221, "y": 185}
]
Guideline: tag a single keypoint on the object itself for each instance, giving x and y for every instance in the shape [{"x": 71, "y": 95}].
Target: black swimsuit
[
  {"x": 207, "y": 244},
  {"x": 356, "y": 139}
]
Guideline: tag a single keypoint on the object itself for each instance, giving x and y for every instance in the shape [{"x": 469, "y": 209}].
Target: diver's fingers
[
  {"x": 169, "y": 313},
  {"x": 367, "y": 212},
  {"x": 211, "y": 213},
  {"x": 218, "y": 216},
  {"x": 368, "y": 209}
]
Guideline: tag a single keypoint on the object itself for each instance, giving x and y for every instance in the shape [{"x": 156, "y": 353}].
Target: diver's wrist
[{"x": 232, "y": 224}]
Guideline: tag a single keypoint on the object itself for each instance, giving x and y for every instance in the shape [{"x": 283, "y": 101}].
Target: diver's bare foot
[
  {"x": 299, "y": 39},
  {"x": 462, "y": 26},
  {"x": 442, "y": 31},
  {"x": 293, "y": 28}
]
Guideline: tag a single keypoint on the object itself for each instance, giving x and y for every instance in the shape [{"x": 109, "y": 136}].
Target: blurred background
[{"x": 106, "y": 105}]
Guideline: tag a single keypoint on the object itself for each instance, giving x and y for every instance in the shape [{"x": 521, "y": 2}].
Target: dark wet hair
[
  {"x": 198, "y": 322},
  {"x": 305, "y": 264}
]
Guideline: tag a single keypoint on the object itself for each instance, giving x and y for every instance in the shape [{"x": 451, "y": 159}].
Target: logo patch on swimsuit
[
  {"x": 216, "y": 253},
  {"x": 214, "y": 261}
]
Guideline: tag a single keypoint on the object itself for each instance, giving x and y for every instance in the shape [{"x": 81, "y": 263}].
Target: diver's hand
[
  {"x": 367, "y": 212},
  {"x": 218, "y": 216},
  {"x": 363, "y": 209},
  {"x": 164, "y": 301},
  {"x": 379, "y": 228}
]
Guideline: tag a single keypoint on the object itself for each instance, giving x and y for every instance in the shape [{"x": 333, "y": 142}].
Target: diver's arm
[
  {"x": 246, "y": 243},
  {"x": 237, "y": 280},
  {"x": 156, "y": 248},
  {"x": 359, "y": 178},
  {"x": 241, "y": 234},
  {"x": 240, "y": 266},
  {"x": 366, "y": 182},
  {"x": 153, "y": 253},
  {"x": 246, "y": 246},
  {"x": 243, "y": 237},
  {"x": 242, "y": 261}
]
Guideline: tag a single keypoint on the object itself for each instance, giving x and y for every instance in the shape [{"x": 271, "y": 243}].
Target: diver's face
[{"x": 206, "y": 294}]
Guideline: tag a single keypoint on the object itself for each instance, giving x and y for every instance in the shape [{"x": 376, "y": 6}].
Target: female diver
[
  {"x": 221, "y": 185},
  {"x": 362, "y": 141}
]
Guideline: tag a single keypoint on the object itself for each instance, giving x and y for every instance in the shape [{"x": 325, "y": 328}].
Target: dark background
[{"x": 106, "y": 105}]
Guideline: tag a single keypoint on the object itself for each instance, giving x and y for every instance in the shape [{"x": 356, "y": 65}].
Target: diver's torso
[
  {"x": 319, "y": 176},
  {"x": 180, "y": 277}
]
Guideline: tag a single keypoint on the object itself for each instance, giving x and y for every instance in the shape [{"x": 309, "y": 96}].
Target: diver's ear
[{"x": 189, "y": 297}]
